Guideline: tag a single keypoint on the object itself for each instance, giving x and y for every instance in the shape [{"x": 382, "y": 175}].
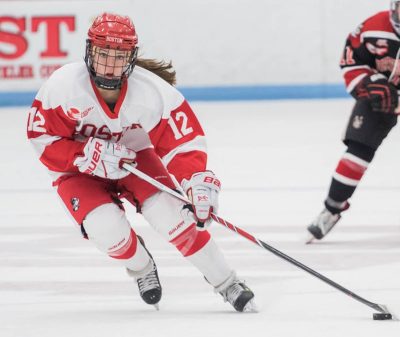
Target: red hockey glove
[
  {"x": 104, "y": 159},
  {"x": 379, "y": 91}
]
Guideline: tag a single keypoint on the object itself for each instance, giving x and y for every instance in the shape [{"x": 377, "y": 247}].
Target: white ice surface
[{"x": 275, "y": 160}]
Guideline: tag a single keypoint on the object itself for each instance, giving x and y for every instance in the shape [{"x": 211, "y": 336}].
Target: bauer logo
[
  {"x": 173, "y": 230},
  {"x": 75, "y": 204}
]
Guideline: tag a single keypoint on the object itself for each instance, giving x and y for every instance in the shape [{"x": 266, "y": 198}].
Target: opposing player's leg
[
  {"x": 97, "y": 210},
  {"x": 176, "y": 223},
  {"x": 364, "y": 134}
]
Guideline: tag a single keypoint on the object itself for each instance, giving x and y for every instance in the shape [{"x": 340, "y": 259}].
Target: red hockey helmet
[{"x": 111, "y": 32}]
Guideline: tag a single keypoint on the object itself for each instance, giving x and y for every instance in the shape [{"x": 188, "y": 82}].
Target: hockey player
[
  {"x": 371, "y": 70},
  {"x": 90, "y": 117}
]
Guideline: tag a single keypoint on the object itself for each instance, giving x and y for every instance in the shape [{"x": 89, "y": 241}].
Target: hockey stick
[{"x": 379, "y": 307}]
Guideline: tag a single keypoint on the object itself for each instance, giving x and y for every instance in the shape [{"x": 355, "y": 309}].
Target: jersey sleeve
[
  {"x": 180, "y": 142},
  {"x": 356, "y": 61},
  {"x": 51, "y": 131}
]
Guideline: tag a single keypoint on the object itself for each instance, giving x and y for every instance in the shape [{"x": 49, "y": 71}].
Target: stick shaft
[
  {"x": 296, "y": 263},
  {"x": 258, "y": 242}
]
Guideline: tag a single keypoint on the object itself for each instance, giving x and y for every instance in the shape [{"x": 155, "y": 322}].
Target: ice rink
[{"x": 275, "y": 160}]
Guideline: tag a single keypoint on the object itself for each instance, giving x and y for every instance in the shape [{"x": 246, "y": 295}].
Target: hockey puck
[{"x": 382, "y": 316}]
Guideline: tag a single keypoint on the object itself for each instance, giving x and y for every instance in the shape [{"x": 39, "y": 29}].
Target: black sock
[{"x": 348, "y": 174}]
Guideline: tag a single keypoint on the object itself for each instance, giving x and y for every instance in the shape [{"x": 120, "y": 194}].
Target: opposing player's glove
[
  {"x": 104, "y": 159},
  {"x": 379, "y": 91},
  {"x": 202, "y": 190}
]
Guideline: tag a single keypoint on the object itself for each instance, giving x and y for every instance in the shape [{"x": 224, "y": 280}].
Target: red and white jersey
[
  {"x": 68, "y": 109},
  {"x": 372, "y": 48}
]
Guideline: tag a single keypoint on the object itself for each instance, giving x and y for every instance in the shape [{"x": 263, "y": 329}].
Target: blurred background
[{"x": 225, "y": 49}]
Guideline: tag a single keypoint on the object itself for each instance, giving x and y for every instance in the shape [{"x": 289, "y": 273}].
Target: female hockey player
[
  {"x": 90, "y": 117},
  {"x": 371, "y": 70}
]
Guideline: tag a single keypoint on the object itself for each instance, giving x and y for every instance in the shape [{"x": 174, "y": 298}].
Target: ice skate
[
  {"x": 237, "y": 294},
  {"x": 148, "y": 282},
  {"x": 322, "y": 225}
]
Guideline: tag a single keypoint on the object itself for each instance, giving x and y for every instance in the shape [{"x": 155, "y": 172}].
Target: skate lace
[
  {"x": 148, "y": 282},
  {"x": 233, "y": 292}
]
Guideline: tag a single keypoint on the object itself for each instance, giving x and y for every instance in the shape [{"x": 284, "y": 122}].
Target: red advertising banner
[{"x": 38, "y": 37}]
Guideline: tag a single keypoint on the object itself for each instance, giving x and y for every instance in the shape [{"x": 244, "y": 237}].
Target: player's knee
[
  {"x": 108, "y": 228},
  {"x": 191, "y": 240},
  {"x": 360, "y": 150},
  {"x": 176, "y": 224},
  {"x": 162, "y": 212}
]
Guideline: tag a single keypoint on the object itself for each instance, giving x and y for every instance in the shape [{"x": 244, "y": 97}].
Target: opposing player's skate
[
  {"x": 148, "y": 282},
  {"x": 237, "y": 294},
  {"x": 322, "y": 225}
]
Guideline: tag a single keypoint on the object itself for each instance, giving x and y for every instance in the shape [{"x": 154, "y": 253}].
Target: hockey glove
[
  {"x": 104, "y": 159},
  {"x": 202, "y": 190},
  {"x": 380, "y": 92}
]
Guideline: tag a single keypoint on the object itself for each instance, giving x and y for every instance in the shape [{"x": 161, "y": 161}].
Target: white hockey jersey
[{"x": 68, "y": 109}]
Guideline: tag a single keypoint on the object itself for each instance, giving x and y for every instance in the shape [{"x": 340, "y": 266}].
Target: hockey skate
[
  {"x": 237, "y": 294},
  {"x": 148, "y": 282},
  {"x": 322, "y": 225}
]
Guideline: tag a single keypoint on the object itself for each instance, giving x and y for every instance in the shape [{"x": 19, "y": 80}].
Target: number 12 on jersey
[
  {"x": 183, "y": 129},
  {"x": 36, "y": 121}
]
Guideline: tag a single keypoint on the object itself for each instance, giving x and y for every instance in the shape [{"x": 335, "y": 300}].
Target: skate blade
[
  {"x": 309, "y": 239},
  {"x": 156, "y": 306},
  {"x": 250, "y": 307}
]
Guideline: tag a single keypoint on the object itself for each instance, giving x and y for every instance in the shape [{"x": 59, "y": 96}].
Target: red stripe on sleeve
[
  {"x": 57, "y": 155},
  {"x": 182, "y": 127},
  {"x": 60, "y": 155},
  {"x": 185, "y": 164},
  {"x": 52, "y": 121},
  {"x": 352, "y": 74}
]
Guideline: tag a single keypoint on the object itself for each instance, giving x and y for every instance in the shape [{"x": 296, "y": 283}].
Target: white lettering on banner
[
  {"x": 27, "y": 71},
  {"x": 22, "y": 71},
  {"x": 47, "y": 69}
]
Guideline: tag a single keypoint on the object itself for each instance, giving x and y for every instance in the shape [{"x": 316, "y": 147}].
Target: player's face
[{"x": 110, "y": 63}]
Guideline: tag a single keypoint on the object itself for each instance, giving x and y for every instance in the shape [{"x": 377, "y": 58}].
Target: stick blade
[{"x": 384, "y": 309}]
